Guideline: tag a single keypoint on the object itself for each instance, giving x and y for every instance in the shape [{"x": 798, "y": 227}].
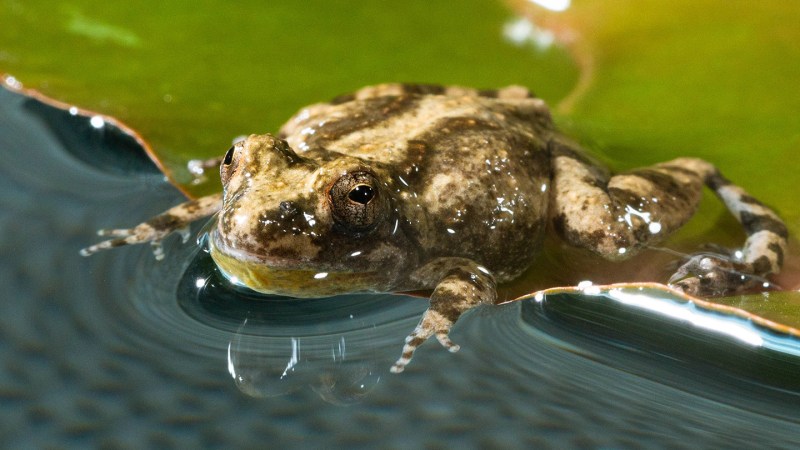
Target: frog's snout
[{"x": 267, "y": 147}]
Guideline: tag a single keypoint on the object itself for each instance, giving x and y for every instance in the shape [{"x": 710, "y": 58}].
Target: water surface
[{"x": 120, "y": 349}]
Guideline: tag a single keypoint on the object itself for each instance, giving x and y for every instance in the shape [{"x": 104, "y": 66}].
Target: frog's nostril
[{"x": 289, "y": 208}]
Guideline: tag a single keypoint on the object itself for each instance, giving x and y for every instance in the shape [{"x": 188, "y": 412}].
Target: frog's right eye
[{"x": 228, "y": 164}]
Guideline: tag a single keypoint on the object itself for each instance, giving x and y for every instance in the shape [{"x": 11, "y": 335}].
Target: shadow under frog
[{"x": 408, "y": 187}]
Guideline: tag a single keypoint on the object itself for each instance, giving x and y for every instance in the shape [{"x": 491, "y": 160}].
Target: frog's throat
[{"x": 301, "y": 282}]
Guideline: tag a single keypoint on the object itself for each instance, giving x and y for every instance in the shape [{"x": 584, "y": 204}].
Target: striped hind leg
[
  {"x": 709, "y": 274},
  {"x": 617, "y": 216}
]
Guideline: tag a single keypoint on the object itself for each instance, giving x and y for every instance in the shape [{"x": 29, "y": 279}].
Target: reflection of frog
[{"x": 406, "y": 187}]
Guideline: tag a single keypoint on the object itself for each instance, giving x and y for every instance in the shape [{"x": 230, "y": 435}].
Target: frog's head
[{"x": 306, "y": 227}]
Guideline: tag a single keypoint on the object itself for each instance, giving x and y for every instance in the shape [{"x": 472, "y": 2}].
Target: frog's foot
[
  {"x": 714, "y": 274},
  {"x": 432, "y": 323},
  {"x": 175, "y": 219},
  {"x": 140, "y": 234},
  {"x": 710, "y": 274},
  {"x": 462, "y": 285}
]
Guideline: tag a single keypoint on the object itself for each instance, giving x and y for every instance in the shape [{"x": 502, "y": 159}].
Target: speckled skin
[
  {"x": 457, "y": 177},
  {"x": 405, "y": 187}
]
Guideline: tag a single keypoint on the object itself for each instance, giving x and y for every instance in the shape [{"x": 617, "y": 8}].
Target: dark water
[{"x": 119, "y": 349}]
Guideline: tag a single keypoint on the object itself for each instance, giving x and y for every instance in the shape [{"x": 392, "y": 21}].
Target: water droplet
[
  {"x": 12, "y": 82},
  {"x": 654, "y": 227}
]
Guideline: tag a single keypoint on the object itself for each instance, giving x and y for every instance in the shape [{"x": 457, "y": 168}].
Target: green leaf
[
  {"x": 191, "y": 76},
  {"x": 708, "y": 78}
]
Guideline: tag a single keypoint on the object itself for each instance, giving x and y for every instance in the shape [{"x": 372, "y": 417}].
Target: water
[{"x": 119, "y": 349}]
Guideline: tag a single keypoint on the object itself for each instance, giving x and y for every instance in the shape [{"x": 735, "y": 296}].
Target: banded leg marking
[{"x": 463, "y": 287}]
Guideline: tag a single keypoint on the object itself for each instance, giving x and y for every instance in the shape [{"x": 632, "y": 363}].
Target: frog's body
[{"x": 406, "y": 187}]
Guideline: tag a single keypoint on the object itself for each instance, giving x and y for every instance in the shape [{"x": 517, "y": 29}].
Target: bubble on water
[{"x": 264, "y": 367}]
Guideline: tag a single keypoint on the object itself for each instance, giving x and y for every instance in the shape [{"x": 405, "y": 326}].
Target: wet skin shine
[{"x": 407, "y": 187}]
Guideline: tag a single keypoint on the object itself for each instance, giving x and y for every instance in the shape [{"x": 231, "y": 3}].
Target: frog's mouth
[{"x": 273, "y": 277}]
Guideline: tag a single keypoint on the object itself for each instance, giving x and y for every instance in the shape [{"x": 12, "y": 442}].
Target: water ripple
[
  {"x": 659, "y": 336},
  {"x": 121, "y": 345}
]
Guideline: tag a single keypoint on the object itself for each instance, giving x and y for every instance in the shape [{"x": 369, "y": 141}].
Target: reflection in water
[
  {"x": 337, "y": 346},
  {"x": 657, "y": 335},
  {"x": 688, "y": 313}
]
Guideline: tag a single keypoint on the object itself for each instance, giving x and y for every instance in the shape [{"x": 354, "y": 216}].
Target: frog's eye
[
  {"x": 356, "y": 202},
  {"x": 228, "y": 164},
  {"x": 361, "y": 193},
  {"x": 229, "y": 156}
]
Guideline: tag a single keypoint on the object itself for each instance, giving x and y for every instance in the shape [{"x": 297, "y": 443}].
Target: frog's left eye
[
  {"x": 356, "y": 202},
  {"x": 229, "y": 156},
  {"x": 228, "y": 164}
]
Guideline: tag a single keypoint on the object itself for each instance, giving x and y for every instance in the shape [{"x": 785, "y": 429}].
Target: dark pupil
[
  {"x": 228, "y": 156},
  {"x": 361, "y": 194}
]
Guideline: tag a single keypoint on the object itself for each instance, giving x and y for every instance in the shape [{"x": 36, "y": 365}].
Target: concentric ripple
[
  {"x": 125, "y": 298},
  {"x": 272, "y": 345}
]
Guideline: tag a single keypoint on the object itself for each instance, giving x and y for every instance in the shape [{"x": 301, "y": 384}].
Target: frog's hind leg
[
  {"x": 616, "y": 216},
  {"x": 762, "y": 253}
]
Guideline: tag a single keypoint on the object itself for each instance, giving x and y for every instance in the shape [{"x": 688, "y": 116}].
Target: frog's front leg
[
  {"x": 461, "y": 284},
  {"x": 616, "y": 216},
  {"x": 156, "y": 229}
]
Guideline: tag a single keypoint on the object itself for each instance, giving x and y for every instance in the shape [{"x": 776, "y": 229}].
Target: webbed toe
[{"x": 713, "y": 274}]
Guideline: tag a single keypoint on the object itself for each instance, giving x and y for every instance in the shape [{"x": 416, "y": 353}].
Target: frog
[{"x": 407, "y": 187}]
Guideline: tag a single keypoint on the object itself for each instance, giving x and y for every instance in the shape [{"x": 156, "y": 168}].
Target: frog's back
[
  {"x": 470, "y": 167},
  {"x": 377, "y": 122}
]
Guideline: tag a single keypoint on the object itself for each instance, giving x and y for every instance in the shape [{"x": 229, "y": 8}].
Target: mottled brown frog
[{"x": 408, "y": 187}]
